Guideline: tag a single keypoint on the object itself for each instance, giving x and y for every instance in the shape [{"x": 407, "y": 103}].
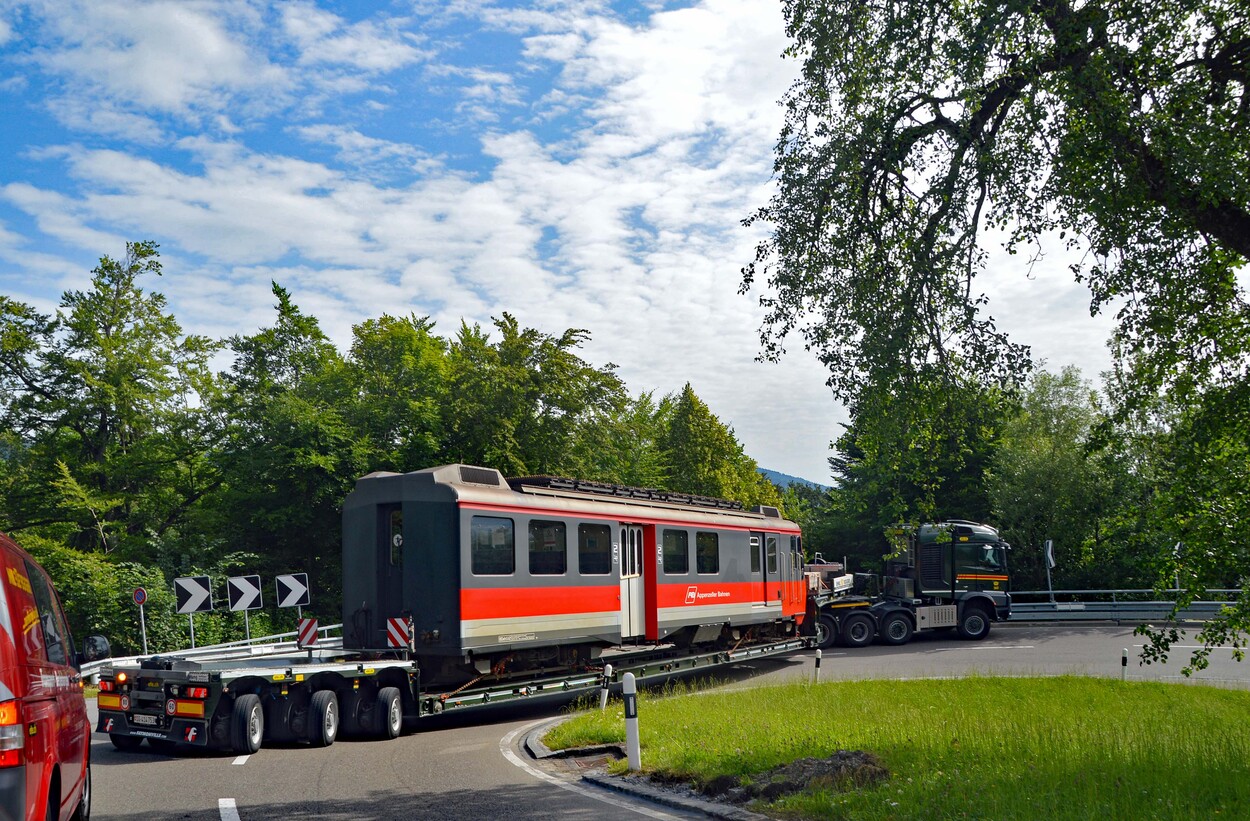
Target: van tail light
[{"x": 11, "y": 741}]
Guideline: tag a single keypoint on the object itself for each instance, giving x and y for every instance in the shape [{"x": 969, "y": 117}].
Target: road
[{"x": 466, "y": 767}]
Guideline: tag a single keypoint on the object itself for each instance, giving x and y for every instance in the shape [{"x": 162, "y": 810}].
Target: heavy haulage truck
[{"x": 947, "y": 576}]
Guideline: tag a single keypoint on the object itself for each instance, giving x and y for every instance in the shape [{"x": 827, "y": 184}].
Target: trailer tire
[
  {"x": 247, "y": 724},
  {"x": 858, "y": 630},
  {"x": 125, "y": 743},
  {"x": 896, "y": 629},
  {"x": 826, "y": 631},
  {"x": 323, "y": 718},
  {"x": 388, "y": 714},
  {"x": 974, "y": 623}
]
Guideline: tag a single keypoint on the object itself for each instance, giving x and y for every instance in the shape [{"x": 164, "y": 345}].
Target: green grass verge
[{"x": 994, "y": 748}]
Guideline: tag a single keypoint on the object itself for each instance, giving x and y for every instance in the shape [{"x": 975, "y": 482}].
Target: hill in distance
[{"x": 784, "y": 480}]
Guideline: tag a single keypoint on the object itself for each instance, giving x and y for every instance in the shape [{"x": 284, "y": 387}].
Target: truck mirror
[{"x": 96, "y": 648}]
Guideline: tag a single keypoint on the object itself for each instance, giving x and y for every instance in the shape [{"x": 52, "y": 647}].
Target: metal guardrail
[
  {"x": 279, "y": 644},
  {"x": 1112, "y": 605}
]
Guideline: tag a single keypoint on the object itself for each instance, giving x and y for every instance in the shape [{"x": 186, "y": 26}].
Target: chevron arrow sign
[{"x": 293, "y": 590}]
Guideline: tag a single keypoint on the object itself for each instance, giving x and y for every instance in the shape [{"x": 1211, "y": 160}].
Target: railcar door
[
  {"x": 390, "y": 570},
  {"x": 759, "y": 576},
  {"x": 633, "y": 613}
]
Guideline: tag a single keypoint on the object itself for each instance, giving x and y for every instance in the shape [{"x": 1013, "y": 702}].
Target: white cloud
[{"x": 323, "y": 37}]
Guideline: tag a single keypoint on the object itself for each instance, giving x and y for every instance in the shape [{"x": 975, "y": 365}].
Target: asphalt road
[{"x": 469, "y": 766}]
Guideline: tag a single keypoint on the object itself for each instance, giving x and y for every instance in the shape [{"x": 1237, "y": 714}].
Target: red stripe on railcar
[{"x": 515, "y": 602}]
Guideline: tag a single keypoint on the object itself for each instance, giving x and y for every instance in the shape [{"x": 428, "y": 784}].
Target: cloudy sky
[{"x": 575, "y": 163}]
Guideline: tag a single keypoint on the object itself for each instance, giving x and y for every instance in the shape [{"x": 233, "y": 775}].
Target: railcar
[{"x": 507, "y": 576}]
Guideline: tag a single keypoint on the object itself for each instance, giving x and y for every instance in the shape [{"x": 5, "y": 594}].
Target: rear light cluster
[
  {"x": 190, "y": 692},
  {"x": 107, "y": 686},
  {"x": 11, "y": 741}
]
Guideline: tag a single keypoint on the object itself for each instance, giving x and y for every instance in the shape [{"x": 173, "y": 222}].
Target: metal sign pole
[
  {"x": 191, "y": 619},
  {"x": 247, "y": 626},
  {"x": 143, "y": 628}
]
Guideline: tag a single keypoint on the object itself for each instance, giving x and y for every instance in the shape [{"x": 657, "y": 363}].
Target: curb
[{"x": 633, "y": 786}]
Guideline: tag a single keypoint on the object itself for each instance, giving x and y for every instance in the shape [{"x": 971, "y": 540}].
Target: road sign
[
  {"x": 293, "y": 590},
  {"x": 397, "y": 632},
  {"x": 195, "y": 594},
  {"x": 306, "y": 633},
  {"x": 140, "y": 596},
  {"x": 244, "y": 592}
]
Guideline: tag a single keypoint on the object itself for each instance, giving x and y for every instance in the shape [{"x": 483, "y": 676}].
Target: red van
[{"x": 45, "y": 737}]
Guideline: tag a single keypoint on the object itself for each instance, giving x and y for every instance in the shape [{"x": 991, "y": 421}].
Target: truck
[{"x": 946, "y": 576}]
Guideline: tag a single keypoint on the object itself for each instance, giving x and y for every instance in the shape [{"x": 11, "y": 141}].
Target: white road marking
[
  {"x": 1001, "y": 647},
  {"x": 241, "y": 759},
  {"x": 229, "y": 812},
  {"x": 505, "y": 747}
]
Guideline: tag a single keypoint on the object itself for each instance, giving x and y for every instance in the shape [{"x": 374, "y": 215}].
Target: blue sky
[{"x": 577, "y": 164}]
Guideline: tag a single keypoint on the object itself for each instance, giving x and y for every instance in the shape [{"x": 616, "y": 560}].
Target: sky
[{"x": 577, "y": 164}]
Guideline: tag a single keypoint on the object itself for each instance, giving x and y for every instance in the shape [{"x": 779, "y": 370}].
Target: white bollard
[
  {"x": 818, "y": 667},
  {"x": 1124, "y": 665},
  {"x": 629, "y": 690},
  {"x": 607, "y": 682}
]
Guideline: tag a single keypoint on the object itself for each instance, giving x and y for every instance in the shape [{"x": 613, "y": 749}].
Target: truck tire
[
  {"x": 323, "y": 718},
  {"x": 896, "y": 629},
  {"x": 388, "y": 715},
  {"x": 125, "y": 743},
  {"x": 974, "y": 623},
  {"x": 247, "y": 724},
  {"x": 826, "y": 631},
  {"x": 858, "y": 630}
]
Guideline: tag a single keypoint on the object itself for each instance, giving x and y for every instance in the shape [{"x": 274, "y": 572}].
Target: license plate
[{"x": 142, "y": 719}]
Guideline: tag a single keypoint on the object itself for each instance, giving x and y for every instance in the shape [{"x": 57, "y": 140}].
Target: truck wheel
[
  {"x": 974, "y": 623},
  {"x": 125, "y": 743},
  {"x": 323, "y": 718},
  {"x": 826, "y": 630},
  {"x": 896, "y": 629},
  {"x": 388, "y": 715},
  {"x": 247, "y": 724},
  {"x": 858, "y": 630}
]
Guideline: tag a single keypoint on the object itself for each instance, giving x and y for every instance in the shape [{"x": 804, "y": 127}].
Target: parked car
[{"x": 45, "y": 736}]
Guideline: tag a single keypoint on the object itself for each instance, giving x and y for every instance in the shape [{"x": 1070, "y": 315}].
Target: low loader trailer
[{"x": 169, "y": 701}]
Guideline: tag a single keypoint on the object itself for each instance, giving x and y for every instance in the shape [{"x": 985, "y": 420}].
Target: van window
[{"x": 52, "y": 623}]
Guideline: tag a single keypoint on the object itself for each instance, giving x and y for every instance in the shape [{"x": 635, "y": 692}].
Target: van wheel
[
  {"x": 388, "y": 714},
  {"x": 858, "y": 630},
  {"x": 974, "y": 623},
  {"x": 83, "y": 811},
  {"x": 247, "y": 724},
  {"x": 323, "y": 718},
  {"x": 125, "y": 743},
  {"x": 896, "y": 629}
]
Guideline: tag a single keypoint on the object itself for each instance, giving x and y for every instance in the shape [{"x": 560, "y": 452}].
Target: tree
[
  {"x": 106, "y": 437},
  {"x": 919, "y": 128}
]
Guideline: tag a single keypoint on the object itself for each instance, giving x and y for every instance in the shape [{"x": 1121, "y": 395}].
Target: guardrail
[
  {"x": 279, "y": 644},
  {"x": 1113, "y": 605}
]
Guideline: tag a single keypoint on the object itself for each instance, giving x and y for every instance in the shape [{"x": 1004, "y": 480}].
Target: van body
[{"x": 45, "y": 735}]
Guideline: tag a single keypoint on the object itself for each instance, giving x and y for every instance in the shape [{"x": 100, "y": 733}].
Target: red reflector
[
  {"x": 196, "y": 692},
  {"x": 107, "y": 686}
]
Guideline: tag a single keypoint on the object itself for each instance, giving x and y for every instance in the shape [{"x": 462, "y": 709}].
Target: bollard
[
  {"x": 629, "y": 690},
  {"x": 818, "y": 667},
  {"x": 1124, "y": 665},
  {"x": 607, "y": 681}
]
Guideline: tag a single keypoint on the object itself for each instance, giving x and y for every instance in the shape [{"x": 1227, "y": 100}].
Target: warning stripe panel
[{"x": 980, "y": 577}]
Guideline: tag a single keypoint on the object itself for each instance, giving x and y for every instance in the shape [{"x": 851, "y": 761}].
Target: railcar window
[
  {"x": 755, "y": 554},
  {"x": 493, "y": 546},
  {"x": 707, "y": 552},
  {"x": 796, "y": 552},
  {"x": 594, "y": 550},
  {"x": 395, "y": 524},
  {"x": 548, "y": 548},
  {"x": 771, "y": 549},
  {"x": 676, "y": 552}
]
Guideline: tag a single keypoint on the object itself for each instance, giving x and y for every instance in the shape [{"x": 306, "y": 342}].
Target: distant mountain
[{"x": 784, "y": 480}]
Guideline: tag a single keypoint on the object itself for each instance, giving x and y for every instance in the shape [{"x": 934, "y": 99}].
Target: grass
[{"x": 993, "y": 748}]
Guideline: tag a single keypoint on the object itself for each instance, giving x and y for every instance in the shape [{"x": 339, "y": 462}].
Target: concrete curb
[{"x": 634, "y": 786}]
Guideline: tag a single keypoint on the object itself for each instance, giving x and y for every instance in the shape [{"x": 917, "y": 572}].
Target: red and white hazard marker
[
  {"x": 306, "y": 633},
  {"x": 397, "y": 633}
]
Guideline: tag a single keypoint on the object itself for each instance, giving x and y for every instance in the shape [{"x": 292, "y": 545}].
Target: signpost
[
  {"x": 195, "y": 595},
  {"x": 140, "y": 596},
  {"x": 244, "y": 593}
]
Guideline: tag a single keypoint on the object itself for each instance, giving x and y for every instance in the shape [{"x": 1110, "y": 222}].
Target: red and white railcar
[{"x": 498, "y": 575}]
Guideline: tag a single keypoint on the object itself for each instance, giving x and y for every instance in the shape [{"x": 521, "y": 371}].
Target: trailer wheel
[
  {"x": 974, "y": 623},
  {"x": 896, "y": 629},
  {"x": 858, "y": 630},
  {"x": 323, "y": 718},
  {"x": 826, "y": 629},
  {"x": 125, "y": 743},
  {"x": 388, "y": 715},
  {"x": 247, "y": 724}
]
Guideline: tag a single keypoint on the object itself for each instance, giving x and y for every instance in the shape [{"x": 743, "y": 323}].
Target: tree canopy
[{"x": 922, "y": 132}]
